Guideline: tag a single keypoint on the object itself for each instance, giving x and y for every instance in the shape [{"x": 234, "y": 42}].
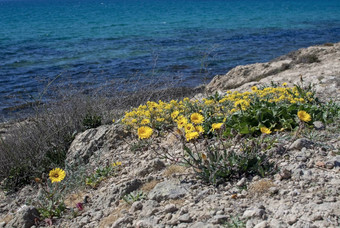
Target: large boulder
[{"x": 88, "y": 142}]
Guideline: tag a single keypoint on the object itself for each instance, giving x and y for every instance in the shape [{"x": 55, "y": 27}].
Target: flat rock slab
[{"x": 167, "y": 190}]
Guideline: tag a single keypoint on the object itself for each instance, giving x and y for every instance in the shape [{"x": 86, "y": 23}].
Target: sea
[{"x": 125, "y": 45}]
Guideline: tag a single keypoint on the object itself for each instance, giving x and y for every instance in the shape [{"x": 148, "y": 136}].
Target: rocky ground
[{"x": 303, "y": 193}]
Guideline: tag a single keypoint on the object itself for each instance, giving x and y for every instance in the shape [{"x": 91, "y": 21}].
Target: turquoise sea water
[{"x": 89, "y": 43}]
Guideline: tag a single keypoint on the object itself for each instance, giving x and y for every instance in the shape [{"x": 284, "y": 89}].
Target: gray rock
[
  {"x": 167, "y": 190},
  {"x": 285, "y": 174},
  {"x": 254, "y": 213},
  {"x": 24, "y": 218},
  {"x": 147, "y": 223},
  {"x": 170, "y": 208},
  {"x": 136, "y": 206},
  {"x": 129, "y": 186},
  {"x": 277, "y": 224},
  {"x": 203, "y": 225},
  {"x": 122, "y": 222},
  {"x": 154, "y": 165},
  {"x": 318, "y": 125},
  {"x": 329, "y": 165},
  {"x": 83, "y": 221},
  {"x": 149, "y": 208},
  {"x": 186, "y": 218},
  {"x": 2, "y": 224},
  {"x": 291, "y": 219},
  {"x": 85, "y": 144},
  {"x": 241, "y": 182},
  {"x": 262, "y": 224},
  {"x": 219, "y": 219},
  {"x": 300, "y": 143}
]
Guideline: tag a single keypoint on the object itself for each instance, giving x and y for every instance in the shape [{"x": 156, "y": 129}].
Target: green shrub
[{"x": 92, "y": 121}]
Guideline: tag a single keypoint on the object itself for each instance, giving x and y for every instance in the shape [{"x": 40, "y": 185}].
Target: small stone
[
  {"x": 219, "y": 212},
  {"x": 329, "y": 165},
  {"x": 316, "y": 217},
  {"x": 320, "y": 164},
  {"x": 185, "y": 218},
  {"x": 136, "y": 206},
  {"x": 273, "y": 190},
  {"x": 285, "y": 174},
  {"x": 318, "y": 201},
  {"x": 97, "y": 216},
  {"x": 300, "y": 143},
  {"x": 168, "y": 216},
  {"x": 291, "y": 219},
  {"x": 241, "y": 182},
  {"x": 254, "y": 213},
  {"x": 301, "y": 158},
  {"x": 262, "y": 224},
  {"x": 219, "y": 219},
  {"x": 2, "y": 224},
  {"x": 85, "y": 220},
  {"x": 170, "y": 208},
  {"x": 318, "y": 125},
  {"x": 122, "y": 222}
]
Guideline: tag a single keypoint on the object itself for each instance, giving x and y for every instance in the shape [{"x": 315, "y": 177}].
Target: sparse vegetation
[
  {"x": 35, "y": 145},
  {"x": 133, "y": 197}
]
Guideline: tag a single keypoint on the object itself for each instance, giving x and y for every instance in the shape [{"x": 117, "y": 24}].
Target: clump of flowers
[{"x": 259, "y": 111}]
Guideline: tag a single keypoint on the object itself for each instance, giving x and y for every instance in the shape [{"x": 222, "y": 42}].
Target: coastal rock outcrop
[{"x": 318, "y": 65}]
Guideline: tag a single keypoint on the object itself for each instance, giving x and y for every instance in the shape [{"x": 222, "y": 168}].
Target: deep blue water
[{"x": 90, "y": 43}]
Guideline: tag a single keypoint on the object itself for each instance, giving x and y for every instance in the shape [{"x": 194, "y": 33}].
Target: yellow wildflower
[
  {"x": 145, "y": 121},
  {"x": 116, "y": 164},
  {"x": 174, "y": 114},
  {"x": 265, "y": 130},
  {"x": 57, "y": 175},
  {"x": 304, "y": 116},
  {"x": 189, "y": 128},
  {"x": 199, "y": 129},
  {"x": 196, "y": 118},
  {"x": 182, "y": 121},
  {"x": 216, "y": 126},
  {"x": 191, "y": 135},
  {"x": 144, "y": 132}
]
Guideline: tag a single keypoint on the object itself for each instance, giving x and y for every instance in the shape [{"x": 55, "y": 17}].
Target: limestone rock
[
  {"x": 167, "y": 190},
  {"x": 85, "y": 144},
  {"x": 300, "y": 143},
  {"x": 24, "y": 218}
]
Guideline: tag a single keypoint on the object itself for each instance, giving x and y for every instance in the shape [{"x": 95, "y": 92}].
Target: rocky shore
[{"x": 305, "y": 192}]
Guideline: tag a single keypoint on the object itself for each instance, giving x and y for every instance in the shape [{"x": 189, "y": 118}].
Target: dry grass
[
  {"x": 72, "y": 199},
  {"x": 7, "y": 218},
  {"x": 260, "y": 187},
  {"x": 177, "y": 202},
  {"x": 118, "y": 212},
  {"x": 32, "y": 147},
  {"x": 173, "y": 170},
  {"x": 147, "y": 187}
]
